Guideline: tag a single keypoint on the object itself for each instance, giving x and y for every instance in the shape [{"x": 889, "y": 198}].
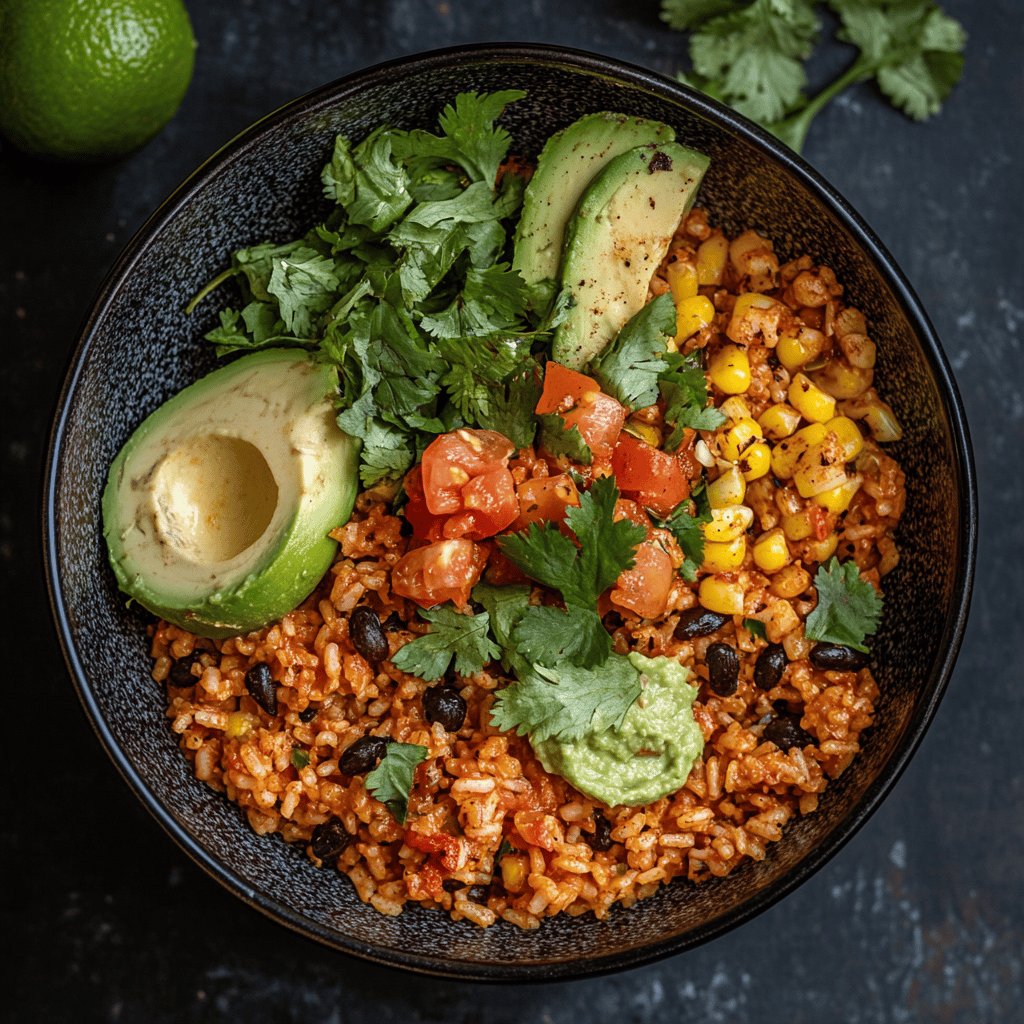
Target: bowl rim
[{"x": 553, "y": 56}]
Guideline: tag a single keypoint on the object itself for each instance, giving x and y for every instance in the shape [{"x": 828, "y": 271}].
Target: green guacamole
[{"x": 649, "y": 756}]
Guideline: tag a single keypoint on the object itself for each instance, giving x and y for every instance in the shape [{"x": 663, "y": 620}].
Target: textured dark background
[{"x": 919, "y": 918}]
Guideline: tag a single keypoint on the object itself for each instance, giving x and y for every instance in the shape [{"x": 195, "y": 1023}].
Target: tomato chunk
[
  {"x": 453, "y": 459},
  {"x": 652, "y": 477},
  {"x": 578, "y": 399},
  {"x": 545, "y": 499},
  {"x": 444, "y": 571},
  {"x": 644, "y": 589},
  {"x": 425, "y": 525},
  {"x": 490, "y": 504}
]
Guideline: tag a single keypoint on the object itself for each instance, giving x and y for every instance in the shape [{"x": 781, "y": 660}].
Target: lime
[{"x": 91, "y": 79}]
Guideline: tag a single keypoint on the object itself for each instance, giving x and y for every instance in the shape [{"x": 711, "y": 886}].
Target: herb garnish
[
  {"x": 391, "y": 781},
  {"x": 685, "y": 523},
  {"x": 848, "y": 609},
  {"x": 452, "y": 635}
]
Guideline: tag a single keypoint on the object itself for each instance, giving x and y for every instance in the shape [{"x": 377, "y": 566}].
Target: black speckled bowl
[{"x": 138, "y": 347}]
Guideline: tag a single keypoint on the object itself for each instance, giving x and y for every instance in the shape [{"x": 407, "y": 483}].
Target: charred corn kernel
[
  {"x": 837, "y": 499},
  {"x": 790, "y": 582},
  {"x": 729, "y": 489},
  {"x": 740, "y": 436},
  {"x": 821, "y": 550},
  {"x": 755, "y": 461},
  {"x": 849, "y": 436},
  {"x": 728, "y": 523},
  {"x": 771, "y": 552},
  {"x": 729, "y": 370},
  {"x": 691, "y": 315},
  {"x": 841, "y": 380},
  {"x": 810, "y": 401},
  {"x": 711, "y": 256},
  {"x": 645, "y": 432},
  {"x": 792, "y": 352},
  {"x": 814, "y": 474},
  {"x": 682, "y": 280},
  {"x": 779, "y": 420},
  {"x": 514, "y": 869},
  {"x": 735, "y": 409},
  {"x": 786, "y": 453},
  {"x": 724, "y": 557},
  {"x": 720, "y": 595},
  {"x": 882, "y": 421},
  {"x": 798, "y": 526},
  {"x": 240, "y": 724}
]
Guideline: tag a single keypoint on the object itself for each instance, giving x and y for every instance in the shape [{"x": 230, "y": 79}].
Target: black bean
[
  {"x": 309, "y": 714},
  {"x": 601, "y": 838},
  {"x": 837, "y": 658},
  {"x": 785, "y": 731},
  {"x": 363, "y": 755},
  {"x": 393, "y": 623},
  {"x": 698, "y": 622},
  {"x": 445, "y": 706},
  {"x": 770, "y": 665},
  {"x": 723, "y": 669},
  {"x": 479, "y": 893},
  {"x": 367, "y": 636},
  {"x": 260, "y": 685},
  {"x": 330, "y": 840},
  {"x": 181, "y": 672}
]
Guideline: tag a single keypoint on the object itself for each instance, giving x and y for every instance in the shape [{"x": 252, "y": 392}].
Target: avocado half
[{"x": 217, "y": 510}]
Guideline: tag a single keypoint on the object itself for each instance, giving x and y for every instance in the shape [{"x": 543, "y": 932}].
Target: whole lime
[{"x": 91, "y": 79}]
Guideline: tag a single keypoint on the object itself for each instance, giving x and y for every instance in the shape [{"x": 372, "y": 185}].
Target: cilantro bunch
[
  {"x": 751, "y": 53},
  {"x": 406, "y": 287}
]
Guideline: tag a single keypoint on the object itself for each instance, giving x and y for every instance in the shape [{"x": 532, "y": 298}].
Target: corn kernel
[
  {"x": 645, "y": 432},
  {"x": 724, "y": 557},
  {"x": 711, "y": 256},
  {"x": 728, "y": 523},
  {"x": 779, "y": 421},
  {"x": 691, "y": 315},
  {"x": 821, "y": 550},
  {"x": 240, "y": 724},
  {"x": 740, "y": 436},
  {"x": 841, "y": 380},
  {"x": 810, "y": 401},
  {"x": 789, "y": 582},
  {"x": 755, "y": 461},
  {"x": 729, "y": 489},
  {"x": 849, "y": 436},
  {"x": 720, "y": 595},
  {"x": 744, "y": 304},
  {"x": 682, "y": 280},
  {"x": 729, "y": 370},
  {"x": 837, "y": 499},
  {"x": 735, "y": 409},
  {"x": 814, "y": 474},
  {"x": 771, "y": 552},
  {"x": 788, "y": 451},
  {"x": 514, "y": 869},
  {"x": 792, "y": 352},
  {"x": 798, "y": 526}
]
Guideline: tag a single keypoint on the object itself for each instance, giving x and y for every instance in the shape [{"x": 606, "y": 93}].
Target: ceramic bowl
[{"x": 138, "y": 347}]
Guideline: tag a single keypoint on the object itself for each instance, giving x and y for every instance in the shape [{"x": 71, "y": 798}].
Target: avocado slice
[
  {"x": 616, "y": 240},
  {"x": 217, "y": 509},
  {"x": 566, "y": 165}
]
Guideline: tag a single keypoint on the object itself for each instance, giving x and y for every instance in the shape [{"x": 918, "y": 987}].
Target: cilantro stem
[
  {"x": 206, "y": 289},
  {"x": 793, "y": 129}
]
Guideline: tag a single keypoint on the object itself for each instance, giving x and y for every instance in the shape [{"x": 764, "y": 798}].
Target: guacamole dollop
[{"x": 649, "y": 755}]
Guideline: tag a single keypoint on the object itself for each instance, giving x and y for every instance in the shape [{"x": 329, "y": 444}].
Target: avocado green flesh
[
  {"x": 648, "y": 756},
  {"x": 565, "y": 167},
  {"x": 217, "y": 509},
  {"x": 617, "y": 239}
]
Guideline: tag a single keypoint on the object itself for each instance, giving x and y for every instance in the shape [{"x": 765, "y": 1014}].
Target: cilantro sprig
[
  {"x": 750, "y": 54},
  {"x": 848, "y": 609},
  {"x": 391, "y": 781},
  {"x": 685, "y": 523},
  {"x": 452, "y": 636}
]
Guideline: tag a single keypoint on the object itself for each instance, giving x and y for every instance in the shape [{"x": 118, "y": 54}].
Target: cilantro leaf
[
  {"x": 303, "y": 282},
  {"x": 688, "y": 14},
  {"x": 568, "y": 701},
  {"x": 493, "y": 299},
  {"x": 848, "y": 609},
  {"x": 391, "y": 781},
  {"x": 556, "y": 440},
  {"x": 368, "y": 181},
  {"x": 452, "y": 635},
  {"x": 685, "y": 524},
  {"x": 629, "y": 368},
  {"x": 549, "y": 636},
  {"x": 510, "y": 405},
  {"x": 756, "y": 628},
  {"x": 300, "y": 757},
  {"x": 685, "y": 393},
  {"x": 506, "y": 606}
]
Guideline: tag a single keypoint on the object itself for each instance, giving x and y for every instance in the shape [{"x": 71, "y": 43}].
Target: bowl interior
[{"x": 139, "y": 348}]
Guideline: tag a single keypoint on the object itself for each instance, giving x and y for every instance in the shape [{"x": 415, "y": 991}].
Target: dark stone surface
[{"x": 921, "y": 917}]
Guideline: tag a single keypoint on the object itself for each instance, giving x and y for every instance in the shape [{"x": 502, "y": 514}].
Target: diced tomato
[
  {"x": 578, "y": 399},
  {"x": 425, "y": 525},
  {"x": 644, "y": 589},
  {"x": 452, "y": 849},
  {"x": 453, "y": 459},
  {"x": 821, "y": 520},
  {"x": 544, "y": 499},
  {"x": 444, "y": 571},
  {"x": 626, "y": 509},
  {"x": 490, "y": 504},
  {"x": 652, "y": 477}
]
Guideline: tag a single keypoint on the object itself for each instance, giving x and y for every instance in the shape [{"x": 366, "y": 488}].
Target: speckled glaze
[{"x": 138, "y": 347}]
